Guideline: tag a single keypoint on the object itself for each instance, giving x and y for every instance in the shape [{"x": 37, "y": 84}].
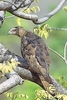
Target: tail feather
[{"x": 45, "y": 82}]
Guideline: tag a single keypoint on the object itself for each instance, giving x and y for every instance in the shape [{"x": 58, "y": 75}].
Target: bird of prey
[{"x": 35, "y": 53}]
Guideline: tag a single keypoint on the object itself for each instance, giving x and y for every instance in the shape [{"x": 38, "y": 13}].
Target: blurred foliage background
[{"x": 56, "y": 41}]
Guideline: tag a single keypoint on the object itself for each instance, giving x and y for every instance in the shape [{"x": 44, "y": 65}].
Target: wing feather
[{"x": 36, "y": 54}]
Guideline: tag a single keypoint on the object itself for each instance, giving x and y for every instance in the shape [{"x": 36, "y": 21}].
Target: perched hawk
[{"x": 35, "y": 52}]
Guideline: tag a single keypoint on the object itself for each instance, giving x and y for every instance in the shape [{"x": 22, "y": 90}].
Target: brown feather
[{"x": 35, "y": 52}]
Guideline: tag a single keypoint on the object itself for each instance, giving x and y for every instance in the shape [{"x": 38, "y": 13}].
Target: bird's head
[{"x": 19, "y": 31}]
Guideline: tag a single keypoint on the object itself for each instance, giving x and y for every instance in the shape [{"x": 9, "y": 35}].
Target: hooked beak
[{"x": 12, "y": 31}]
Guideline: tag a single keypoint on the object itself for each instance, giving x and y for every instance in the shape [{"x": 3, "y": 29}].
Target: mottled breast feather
[{"x": 35, "y": 52}]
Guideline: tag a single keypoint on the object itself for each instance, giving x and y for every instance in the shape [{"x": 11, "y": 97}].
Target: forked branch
[{"x": 13, "y": 8}]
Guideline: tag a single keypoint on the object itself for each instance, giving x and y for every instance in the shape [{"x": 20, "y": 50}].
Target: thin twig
[
  {"x": 9, "y": 17},
  {"x": 60, "y": 29},
  {"x": 64, "y": 58},
  {"x": 65, "y": 53},
  {"x": 56, "y": 53},
  {"x": 20, "y": 5}
]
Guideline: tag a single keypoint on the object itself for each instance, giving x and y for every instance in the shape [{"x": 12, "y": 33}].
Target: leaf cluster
[
  {"x": 16, "y": 95},
  {"x": 7, "y": 67},
  {"x": 44, "y": 95},
  {"x": 43, "y": 30},
  {"x": 32, "y": 10},
  {"x": 62, "y": 80}
]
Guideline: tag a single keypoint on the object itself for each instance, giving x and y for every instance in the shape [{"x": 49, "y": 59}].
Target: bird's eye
[{"x": 14, "y": 30}]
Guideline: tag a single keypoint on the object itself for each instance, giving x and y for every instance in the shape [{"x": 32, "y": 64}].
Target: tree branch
[
  {"x": 11, "y": 82},
  {"x": 7, "y": 6},
  {"x": 11, "y": 8},
  {"x": 22, "y": 70},
  {"x": 2, "y": 16},
  {"x": 24, "y": 15},
  {"x": 23, "y": 3},
  {"x": 39, "y": 21},
  {"x": 26, "y": 3}
]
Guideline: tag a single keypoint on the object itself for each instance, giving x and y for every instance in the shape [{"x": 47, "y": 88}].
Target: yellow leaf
[
  {"x": 4, "y": 69},
  {"x": 61, "y": 97},
  {"x": 26, "y": 96},
  {"x": 43, "y": 94},
  {"x": 11, "y": 95},
  {"x": 37, "y": 8},
  {"x": 27, "y": 11},
  {"x": 9, "y": 65},
  {"x": 42, "y": 32},
  {"x": 19, "y": 21},
  {"x": 14, "y": 63},
  {"x": 35, "y": 30},
  {"x": 38, "y": 99},
  {"x": 33, "y": 9},
  {"x": 46, "y": 34},
  {"x": 7, "y": 94},
  {"x": 1, "y": 66},
  {"x": 65, "y": 8},
  {"x": 21, "y": 95}
]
